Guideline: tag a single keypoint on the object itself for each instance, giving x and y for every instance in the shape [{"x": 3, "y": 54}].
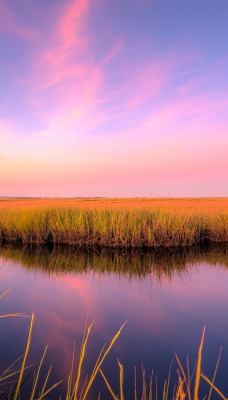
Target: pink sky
[{"x": 111, "y": 98}]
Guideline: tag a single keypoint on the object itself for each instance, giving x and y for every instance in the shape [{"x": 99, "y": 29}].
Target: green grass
[
  {"x": 187, "y": 386},
  {"x": 112, "y": 228}
]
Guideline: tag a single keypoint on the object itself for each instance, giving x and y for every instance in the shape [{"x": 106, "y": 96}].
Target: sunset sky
[{"x": 113, "y": 98}]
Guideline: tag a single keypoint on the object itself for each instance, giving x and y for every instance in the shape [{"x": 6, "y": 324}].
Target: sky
[{"x": 113, "y": 98}]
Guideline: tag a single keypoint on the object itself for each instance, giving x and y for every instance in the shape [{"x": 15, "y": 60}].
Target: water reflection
[
  {"x": 161, "y": 261},
  {"x": 167, "y": 295}
]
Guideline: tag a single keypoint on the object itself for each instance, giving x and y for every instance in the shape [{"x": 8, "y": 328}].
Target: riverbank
[{"x": 112, "y": 228}]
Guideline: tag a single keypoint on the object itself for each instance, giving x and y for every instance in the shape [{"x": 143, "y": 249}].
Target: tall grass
[{"x": 112, "y": 228}]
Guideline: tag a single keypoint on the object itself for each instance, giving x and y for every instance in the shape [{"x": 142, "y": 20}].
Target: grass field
[
  {"x": 185, "y": 205},
  {"x": 114, "y": 222}
]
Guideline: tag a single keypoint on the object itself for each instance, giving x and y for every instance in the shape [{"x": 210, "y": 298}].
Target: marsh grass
[{"x": 111, "y": 228}]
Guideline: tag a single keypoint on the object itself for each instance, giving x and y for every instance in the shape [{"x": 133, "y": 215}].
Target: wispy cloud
[
  {"x": 90, "y": 97},
  {"x": 66, "y": 85}
]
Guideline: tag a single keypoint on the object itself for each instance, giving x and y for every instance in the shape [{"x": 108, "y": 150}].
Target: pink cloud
[
  {"x": 65, "y": 70},
  {"x": 72, "y": 24},
  {"x": 68, "y": 40}
]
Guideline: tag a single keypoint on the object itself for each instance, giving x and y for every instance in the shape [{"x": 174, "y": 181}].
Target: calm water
[{"x": 166, "y": 296}]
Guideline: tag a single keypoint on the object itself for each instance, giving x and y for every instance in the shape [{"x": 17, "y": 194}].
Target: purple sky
[{"x": 113, "y": 98}]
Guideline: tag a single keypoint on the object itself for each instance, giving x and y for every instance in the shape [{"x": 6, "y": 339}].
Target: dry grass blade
[
  {"x": 25, "y": 358},
  {"x": 215, "y": 372},
  {"x": 44, "y": 393},
  {"x": 37, "y": 375},
  {"x": 167, "y": 383},
  {"x": 213, "y": 386},
  {"x": 8, "y": 371},
  {"x": 13, "y": 315},
  {"x": 83, "y": 387},
  {"x": 81, "y": 358},
  {"x": 4, "y": 293},
  {"x": 45, "y": 383},
  {"x": 143, "y": 384},
  {"x": 180, "y": 395},
  {"x": 156, "y": 387},
  {"x": 97, "y": 368},
  {"x": 184, "y": 376},
  {"x": 108, "y": 385},
  {"x": 198, "y": 367},
  {"x": 151, "y": 387},
  {"x": 135, "y": 391},
  {"x": 121, "y": 380}
]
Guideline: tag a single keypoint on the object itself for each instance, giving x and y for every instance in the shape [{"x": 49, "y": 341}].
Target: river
[{"x": 165, "y": 295}]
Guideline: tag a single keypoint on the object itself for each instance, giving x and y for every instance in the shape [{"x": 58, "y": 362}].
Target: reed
[{"x": 111, "y": 228}]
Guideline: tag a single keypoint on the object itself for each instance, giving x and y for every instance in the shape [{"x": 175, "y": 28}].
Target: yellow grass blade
[
  {"x": 81, "y": 359},
  {"x": 151, "y": 387},
  {"x": 184, "y": 376},
  {"x": 95, "y": 371},
  {"x": 215, "y": 372},
  {"x": 13, "y": 315},
  {"x": 25, "y": 358},
  {"x": 44, "y": 394},
  {"x": 180, "y": 391},
  {"x": 108, "y": 385},
  {"x": 135, "y": 392},
  {"x": 37, "y": 375},
  {"x": 8, "y": 370},
  {"x": 83, "y": 387},
  {"x": 168, "y": 382},
  {"x": 214, "y": 387},
  {"x": 121, "y": 380},
  {"x": 198, "y": 367},
  {"x": 45, "y": 383},
  {"x": 4, "y": 293}
]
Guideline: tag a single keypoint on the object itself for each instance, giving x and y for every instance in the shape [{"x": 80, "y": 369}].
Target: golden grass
[
  {"x": 112, "y": 228},
  {"x": 184, "y": 205}
]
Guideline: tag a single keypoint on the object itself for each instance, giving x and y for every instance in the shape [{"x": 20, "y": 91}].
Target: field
[
  {"x": 185, "y": 205},
  {"x": 114, "y": 222}
]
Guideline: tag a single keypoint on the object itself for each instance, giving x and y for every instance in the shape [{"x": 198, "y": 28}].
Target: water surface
[{"x": 166, "y": 296}]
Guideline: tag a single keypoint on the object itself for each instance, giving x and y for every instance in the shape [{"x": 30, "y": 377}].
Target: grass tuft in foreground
[
  {"x": 111, "y": 228},
  {"x": 187, "y": 386}
]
